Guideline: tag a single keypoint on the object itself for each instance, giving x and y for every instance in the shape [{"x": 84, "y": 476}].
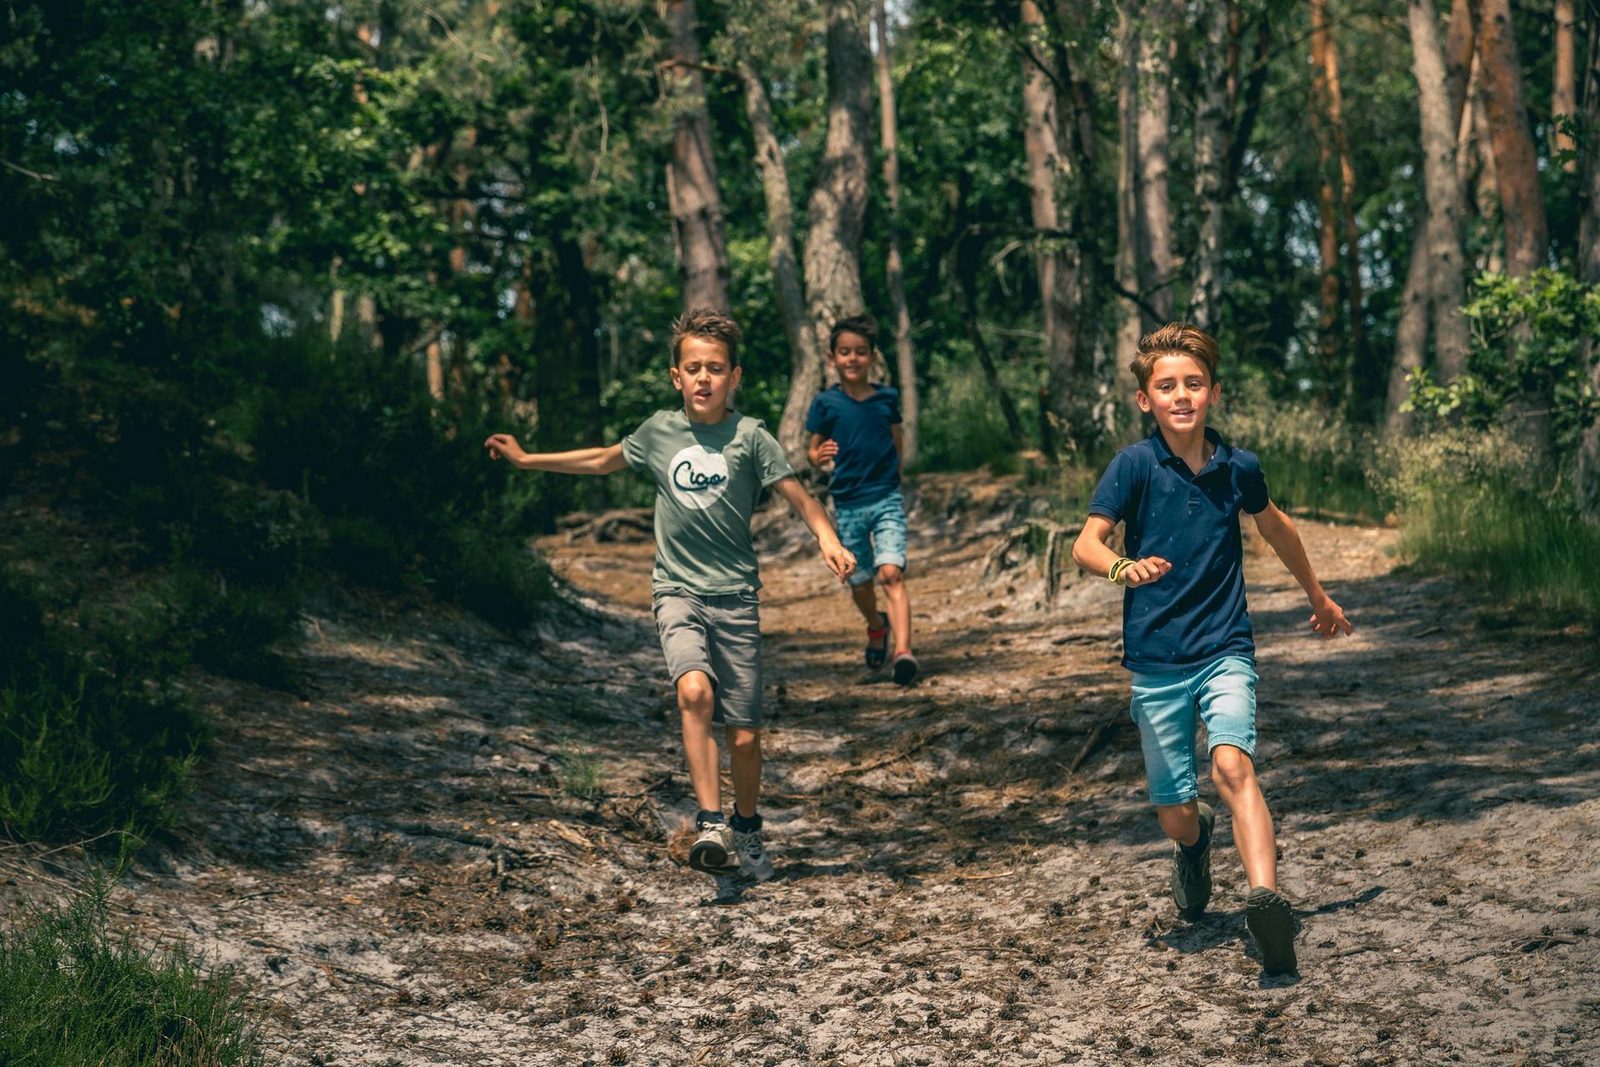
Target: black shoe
[
  {"x": 905, "y": 668},
  {"x": 1267, "y": 917},
  {"x": 877, "y": 656},
  {"x": 1191, "y": 875}
]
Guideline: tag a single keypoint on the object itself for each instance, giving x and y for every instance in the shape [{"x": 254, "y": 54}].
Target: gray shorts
[{"x": 720, "y": 635}]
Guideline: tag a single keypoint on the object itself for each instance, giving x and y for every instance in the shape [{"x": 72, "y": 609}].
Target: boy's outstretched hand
[
  {"x": 1327, "y": 618},
  {"x": 1144, "y": 571},
  {"x": 504, "y": 446},
  {"x": 839, "y": 559}
]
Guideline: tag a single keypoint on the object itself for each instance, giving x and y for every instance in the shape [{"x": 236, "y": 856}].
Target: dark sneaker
[
  {"x": 1191, "y": 876},
  {"x": 754, "y": 863},
  {"x": 905, "y": 668},
  {"x": 877, "y": 656},
  {"x": 713, "y": 851},
  {"x": 1267, "y": 917}
]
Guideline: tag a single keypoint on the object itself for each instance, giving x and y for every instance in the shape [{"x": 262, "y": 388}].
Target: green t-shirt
[{"x": 708, "y": 478}]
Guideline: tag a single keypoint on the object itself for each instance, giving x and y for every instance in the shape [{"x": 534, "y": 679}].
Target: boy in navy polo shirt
[
  {"x": 856, "y": 424},
  {"x": 1186, "y": 632}
]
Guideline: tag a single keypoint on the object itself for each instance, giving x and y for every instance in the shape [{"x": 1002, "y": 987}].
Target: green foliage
[
  {"x": 1467, "y": 509},
  {"x": 73, "y": 993},
  {"x": 1530, "y": 339},
  {"x": 581, "y": 775},
  {"x": 1313, "y": 456},
  {"x": 93, "y": 739},
  {"x": 963, "y": 427}
]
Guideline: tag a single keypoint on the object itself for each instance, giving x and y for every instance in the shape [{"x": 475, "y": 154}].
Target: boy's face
[
  {"x": 852, "y": 358},
  {"x": 1178, "y": 394},
  {"x": 705, "y": 376}
]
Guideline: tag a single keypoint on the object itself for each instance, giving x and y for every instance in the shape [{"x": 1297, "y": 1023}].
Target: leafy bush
[
  {"x": 962, "y": 427},
  {"x": 1467, "y": 508},
  {"x": 72, "y": 994},
  {"x": 93, "y": 741}
]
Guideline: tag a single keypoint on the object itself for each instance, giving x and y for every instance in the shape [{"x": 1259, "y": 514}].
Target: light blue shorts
[
  {"x": 875, "y": 534},
  {"x": 1222, "y": 692}
]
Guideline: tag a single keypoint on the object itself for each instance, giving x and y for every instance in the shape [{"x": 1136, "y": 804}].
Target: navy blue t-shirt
[
  {"x": 867, "y": 467},
  {"x": 1196, "y": 613}
]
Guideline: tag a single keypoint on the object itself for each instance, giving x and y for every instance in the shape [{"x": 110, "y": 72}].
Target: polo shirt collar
[{"x": 1167, "y": 457}]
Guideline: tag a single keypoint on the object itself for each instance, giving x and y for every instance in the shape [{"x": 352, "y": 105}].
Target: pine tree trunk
[
  {"x": 905, "y": 355},
  {"x": 1328, "y": 290},
  {"x": 1410, "y": 339},
  {"x": 837, "y": 207},
  {"x": 1157, "y": 41},
  {"x": 1125, "y": 413},
  {"x": 336, "y": 301},
  {"x": 1516, "y": 164},
  {"x": 692, "y": 189},
  {"x": 1050, "y": 184},
  {"x": 1446, "y": 286},
  {"x": 1588, "y": 469},
  {"x": 1485, "y": 199},
  {"x": 1564, "y": 97},
  {"x": 781, "y": 259},
  {"x": 1363, "y": 375},
  {"x": 1210, "y": 157}
]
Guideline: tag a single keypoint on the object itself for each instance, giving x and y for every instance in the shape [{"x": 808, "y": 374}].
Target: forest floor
[{"x": 402, "y": 866}]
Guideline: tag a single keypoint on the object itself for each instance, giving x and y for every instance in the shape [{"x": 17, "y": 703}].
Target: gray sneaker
[
  {"x": 754, "y": 863},
  {"x": 1267, "y": 917},
  {"x": 713, "y": 851},
  {"x": 1191, "y": 877}
]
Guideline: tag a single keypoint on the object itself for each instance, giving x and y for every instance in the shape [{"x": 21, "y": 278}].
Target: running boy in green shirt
[{"x": 710, "y": 464}]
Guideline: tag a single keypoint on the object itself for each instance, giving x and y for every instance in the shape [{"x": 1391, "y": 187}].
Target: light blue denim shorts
[
  {"x": 875, "y": 533},
  {"x": 1165, "y": 704}
]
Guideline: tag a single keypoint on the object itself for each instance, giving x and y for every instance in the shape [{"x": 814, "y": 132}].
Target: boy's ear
[
  {"x": 738, "y": 373},
  {"x": 674, "y": 374},
  {"x": 1142, "y": 400}
]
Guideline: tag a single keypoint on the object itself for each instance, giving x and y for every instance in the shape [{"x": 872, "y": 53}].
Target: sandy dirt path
[{"x": 401, "y": 867}]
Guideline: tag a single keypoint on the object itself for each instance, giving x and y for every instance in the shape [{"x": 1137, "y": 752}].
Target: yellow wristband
[{"x": 1118, "y": 568}]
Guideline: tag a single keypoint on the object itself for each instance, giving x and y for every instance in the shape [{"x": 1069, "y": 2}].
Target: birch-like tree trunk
[
  {"x": 1516, "y": 163},
  {"x": 1564, "y": 96},
  {"x": 1049, "y": 185},
  {"x": 889, "y": 138},
  {"x": 781, "y": 258},
  {"x": 692, "y": 189},
  {"x": 837, "y": 207},
  {"x": 1446, "y": 285},
  {"x": 1210, "y": 156},
  {"x": 1157, "y": 41}
]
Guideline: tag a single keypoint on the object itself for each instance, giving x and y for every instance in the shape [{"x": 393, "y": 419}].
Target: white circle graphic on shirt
[{"x": 698, "y": 477}]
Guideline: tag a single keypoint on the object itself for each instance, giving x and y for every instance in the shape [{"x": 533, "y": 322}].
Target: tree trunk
[
  {"x": 692, "y": 190},
  {"x": 838, "y": 203},
  {"x": 1210, "y": 157},
  {"x": 1049, "y": 184},
  {"x": 968, "y": 256},
  {"x": 803, "y": 345},
  {"x": 1516, "y": 164},
  {"x": 335, "y": 301},
  {"x": 1363, "y": 373},
  {"x": 1564, "y": 97},
  {"x": 1125, "y": 414},
  {"x": 1410, "y": 339},
  {"x": 1156, "y": 43},
  {"x": 905, "y": 355},
  {"x": 1485, "y": 200},
  {"x": 1446, "y": 287},
  {"x": 1588, "y": 470},
  {"x": 1329, "y": 290}
]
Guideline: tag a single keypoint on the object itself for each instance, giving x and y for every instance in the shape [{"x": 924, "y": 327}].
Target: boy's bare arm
[
  {"x": 1091, "y": 552},
  {"x": 834, "y": 554},
  {"x": 821, "y": 449},
  {"x": 1277, "y": 529},
  {"x": 604, "y": 460}
]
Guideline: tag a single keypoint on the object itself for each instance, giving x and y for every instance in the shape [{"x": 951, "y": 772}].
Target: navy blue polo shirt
[
  {"x": 1196, "y": 613},
  {"x": 867, "y": 467}
]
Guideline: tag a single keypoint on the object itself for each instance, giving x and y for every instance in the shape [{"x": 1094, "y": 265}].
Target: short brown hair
[
  {"x": 1175, "y": 339},
  {"x": 865, "y": 325},
  {"x": 710, "y": 324}
]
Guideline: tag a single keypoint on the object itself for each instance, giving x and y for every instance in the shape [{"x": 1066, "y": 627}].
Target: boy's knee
[
  {"x": 1231, "y": 769},
  {"x": 890, "y": 575},
  {"x": 695, "y": 693},
  {"x": 744, "y": 743}
]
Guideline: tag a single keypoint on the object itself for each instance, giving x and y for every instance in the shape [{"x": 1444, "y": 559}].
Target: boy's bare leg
[
  {"x": 696, "y": 702},
  {"x": 866, "y": 601},
  {"x": 894, "y": 590},
  {"x": 1181, "y": 822},
  {"x": 1234, "y": 775},
  {"x": 744, "y": 756}
]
